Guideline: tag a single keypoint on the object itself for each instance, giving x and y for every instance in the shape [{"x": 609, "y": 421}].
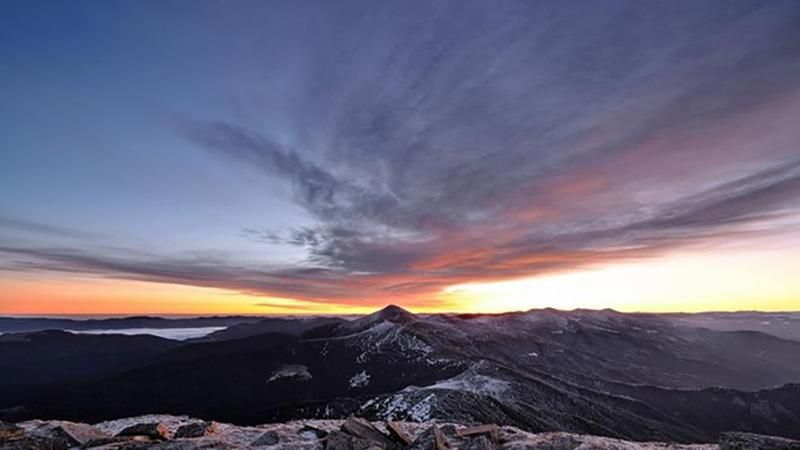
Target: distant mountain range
[
  {"x": 21, "y": 324},
  {"x": 667, "y": 377}
]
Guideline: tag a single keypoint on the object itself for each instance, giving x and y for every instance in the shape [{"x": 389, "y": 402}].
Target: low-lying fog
[{"x": 178, "y": 334}]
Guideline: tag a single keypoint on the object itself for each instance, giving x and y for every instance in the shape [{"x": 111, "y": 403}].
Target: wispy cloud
[
  {"x": 445, "y": 143},
  {"x": 27, "y": 227}
]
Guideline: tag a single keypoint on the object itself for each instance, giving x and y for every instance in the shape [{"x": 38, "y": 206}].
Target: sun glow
[
  {"x": 100, "y": 296},
  {"x": 766, "y": 280}
]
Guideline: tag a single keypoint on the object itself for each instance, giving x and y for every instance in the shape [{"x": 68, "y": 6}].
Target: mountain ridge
[{"x": 621, "y": 375}]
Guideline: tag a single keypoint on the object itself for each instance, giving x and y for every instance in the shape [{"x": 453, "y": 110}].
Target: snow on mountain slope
[{"x": 633, "y": 376}]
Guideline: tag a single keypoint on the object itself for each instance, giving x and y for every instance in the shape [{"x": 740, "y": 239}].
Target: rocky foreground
[{"x": 183, "y": 433}]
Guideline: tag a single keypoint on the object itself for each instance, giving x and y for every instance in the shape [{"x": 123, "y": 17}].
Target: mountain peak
[
  {"x": 394, "y": 313},
  {"x": 391, "y": 314}
]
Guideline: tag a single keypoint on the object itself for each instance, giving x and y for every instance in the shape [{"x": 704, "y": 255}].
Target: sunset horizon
[{"x": 271, "y": 160}]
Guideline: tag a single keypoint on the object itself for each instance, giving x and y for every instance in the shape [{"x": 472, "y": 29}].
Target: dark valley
[{"x": 643, "y": 377}]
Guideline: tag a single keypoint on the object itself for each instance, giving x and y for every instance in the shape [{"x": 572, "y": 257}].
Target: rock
[
  {"x": 360, "y": 428},
  {"x": 195, "y": 429},
  {"x": 430, "y": 439},
  {"x": 36, "y": 442},
  {"x": 480, "y": 443},
  {"x": 268, "y": 438},
  {"x": 81, "y": 432},
  {"x": 397, "y": 433},
  {"x": 9, "y": 430},
  {"x": 449, "y": 430},
  {"x": 54, "y": 436},
  {"x": 56, "y": 433},
  {"x": 338, "y": 440},
  {"x": 104, "y": 441},
  {"x": 492, "y": 431},
  {"x": 153, "y": 430},
  {"x": 439, "y": 439},
  {"x": 310, "y": 432},
  {"x": 190, "y": 445},
  {"x": 129, "y": 445},
  {"x": 169, "y": 445},
  {"x": 751, "y": 441}
]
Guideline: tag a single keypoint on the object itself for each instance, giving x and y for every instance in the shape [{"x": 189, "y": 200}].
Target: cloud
[
  {"x": 415, "y": 271},
  {"x": 17, "y": 226},
  {"x": 448, "y": 142}
]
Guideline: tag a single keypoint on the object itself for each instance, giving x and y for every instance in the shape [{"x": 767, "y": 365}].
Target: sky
[{"x": 199, "y": 157}]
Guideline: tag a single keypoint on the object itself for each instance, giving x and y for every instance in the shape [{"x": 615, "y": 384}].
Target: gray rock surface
[
  {"x": 160, "y": 432},
  {"x": 480, "y": 443},
  {"x": 268, "y": 438},
  {"x": 195, "y": 429},
  {"x": 750, "y": 441},
  {"x": 339, "y": 440},
  {"x": 10, "y": 430},
  {"x": 151, "y": 430}
]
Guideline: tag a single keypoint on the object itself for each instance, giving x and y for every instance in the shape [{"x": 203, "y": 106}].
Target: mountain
[
  {"x": 630, "y": 376},
  {"x": 57, "y": 356},
  {"x": 269, "y": 325},
  {"x": 785, "y": 325},
  {"x": 633, "y": 349},
  {"x": 29, "y": 324}
]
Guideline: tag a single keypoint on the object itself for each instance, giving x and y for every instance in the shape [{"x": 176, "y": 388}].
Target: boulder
[
  {"x": 52, "y": 436},
  {"x": 169, "y": 445},
  {"x": 439, "y": 439},
  {"x": 310, "y": 432},
  {"x": 491, "y": 431},
  {"x": 339, "y": 440},
  {"x": 751, "y": 441},
  {"x": 106, "y": 441},
  {"x": 128, "y": 445},
  {"x": 195, "y": 429},
  {"x": 397, "y": 433},
  {"x": 56, "y": 433},
  {"x": 153, "y": 430},
  {"x": 449, "y": 430},
  {"x": 34, "y": 442},
  {"x": 192, "y": 445},
  {"x": 360, "y": 428},
  {"x": 268, "y": 438},
  {"x": 480, "y": 443},
  {"x": 80, "y": 432},
  {"x": 9, "y": 430},
  {"x": 430, "y": 439}
]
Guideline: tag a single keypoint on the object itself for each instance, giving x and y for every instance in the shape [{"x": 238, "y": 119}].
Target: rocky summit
[{"x": 153, "y": 432}]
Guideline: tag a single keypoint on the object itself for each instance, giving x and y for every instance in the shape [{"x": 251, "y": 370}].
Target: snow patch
[
  {"x": 291, "y": 371},
  {"x": 394, "y": 407},
  {"x": 475, "y": 383},
  {"x": 360, "y": 379},
  {"x": 422, "y": 410}
]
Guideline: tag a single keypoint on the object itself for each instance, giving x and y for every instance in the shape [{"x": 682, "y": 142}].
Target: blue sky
[
  {"x": 91, "y": 103},
  {"x": 361, "y": 150}
]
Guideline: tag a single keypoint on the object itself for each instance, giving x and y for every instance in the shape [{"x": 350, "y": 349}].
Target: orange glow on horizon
[
  {"x": 728, "y": 281},
  {"x": 686, "y": 282},
  {"x": 86, "y": 296}
]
